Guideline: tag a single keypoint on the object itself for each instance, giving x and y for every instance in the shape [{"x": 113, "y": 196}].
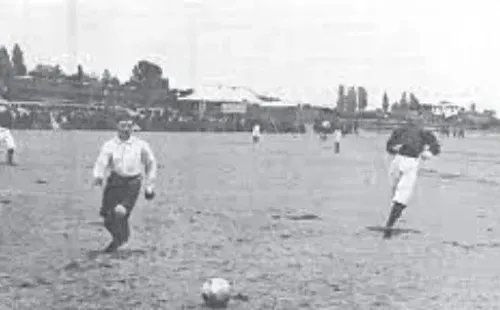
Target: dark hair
[{"x": 123, "y": 117}]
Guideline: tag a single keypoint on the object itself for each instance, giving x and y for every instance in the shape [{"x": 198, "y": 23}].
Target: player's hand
[
  {"x": 98, "y": 181},
  {"x": 426, "y": 155},
  {"x": 397, "y": 147},
  {"x": 149, "y": 193}
]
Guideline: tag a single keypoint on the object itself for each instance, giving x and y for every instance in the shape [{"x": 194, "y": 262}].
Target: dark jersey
[{"x": 412, "y": 140}]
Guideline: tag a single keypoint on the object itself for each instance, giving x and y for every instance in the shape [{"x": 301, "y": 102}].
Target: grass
[{"x": 226, "y": 208}]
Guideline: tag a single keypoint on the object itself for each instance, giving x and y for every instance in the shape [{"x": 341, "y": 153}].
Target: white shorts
[{"x": 403, "y": 173}]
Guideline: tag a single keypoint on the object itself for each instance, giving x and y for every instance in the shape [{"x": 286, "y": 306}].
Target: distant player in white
[
  {"x": 7, "y": 142},
  {"x": 337, "y": 136},
  {"x": 256, "y": 133}
]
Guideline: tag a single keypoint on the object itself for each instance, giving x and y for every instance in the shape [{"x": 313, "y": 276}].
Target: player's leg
[
  {"x": 10, "y": 156},
  {"x": 395, "y": 175},
  {"x": 110, "y": 199},
  {"x": 128, "y": 199},
  {"x": 403, "y": 190}
]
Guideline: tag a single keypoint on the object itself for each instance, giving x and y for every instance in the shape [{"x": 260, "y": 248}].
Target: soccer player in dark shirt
[{"x": 408, "y": 144}]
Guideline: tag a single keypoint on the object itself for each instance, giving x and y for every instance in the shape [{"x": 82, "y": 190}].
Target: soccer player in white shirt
[
  {"x": 126, "y": 157},
  {"x": 7, "y": 141},
  {"x": 337, "y": 135},
  {"x": 256, "y": 133}
]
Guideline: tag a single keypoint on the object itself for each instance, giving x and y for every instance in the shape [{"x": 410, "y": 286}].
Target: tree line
[
  {"x": 356, "y": 100},
  {"x": 145, "y": 74}
]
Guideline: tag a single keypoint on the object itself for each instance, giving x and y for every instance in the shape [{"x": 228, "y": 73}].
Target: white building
[{"x": 446, "y": 109}]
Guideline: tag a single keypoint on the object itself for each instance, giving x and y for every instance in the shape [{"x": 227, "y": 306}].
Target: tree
[
  {"x": 47, "y": 72},
  {"x": 19, "y": 67},
  {"x": 146, "y": 72},
  {"x": 490, "y": 113},
  {"x": 80, "y": 74},
  {"x": 148, "y": 76},
  {"x": 395, "y": 106},
  {"x": 341, "y": 98},
  {"x": 362, "y": 98},
  {"x": 114, "y": 81},
  {"x": 385, "y": 103},
  {"x": 6, "y": 71},
  {"x": 472, "y": 107},
  {"x": 414, "y": 102},
  {"x": 403, "y": 102},
  {"x": 351, "y": 99},
  {"x": 106, "y": 77},
  {"x": 57, "y": 71}
]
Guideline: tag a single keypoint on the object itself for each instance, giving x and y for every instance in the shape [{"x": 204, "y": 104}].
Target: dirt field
[{"x": 226, "y": 208}]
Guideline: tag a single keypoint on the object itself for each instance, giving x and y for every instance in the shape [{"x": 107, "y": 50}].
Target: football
[
  {"x": 216, "y": 293},
  {"x": 120, "y": 211},
  {"x": 149, "y": 193}
]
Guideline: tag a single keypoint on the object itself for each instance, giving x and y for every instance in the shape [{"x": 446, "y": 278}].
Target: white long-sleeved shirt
[
  {"x": 256, "y": 131},
  {"x": 127, "y": 158},
  {"x": 337, "y": 135},
  {"x": 6, "y": 139}
]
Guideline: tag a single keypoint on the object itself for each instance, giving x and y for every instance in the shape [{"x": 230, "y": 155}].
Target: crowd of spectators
[{"x": 72, "y": 117}]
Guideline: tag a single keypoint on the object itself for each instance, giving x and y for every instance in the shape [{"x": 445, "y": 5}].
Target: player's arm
[
  {"x": 393, "y": 144},
  {"x": 430, "y": 139},
  {"x": 101, "y": 164},
  {"x": 149, "y": 160}
]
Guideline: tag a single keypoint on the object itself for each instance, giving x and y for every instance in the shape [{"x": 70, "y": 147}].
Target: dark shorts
[{"x": 120, "y": 190}]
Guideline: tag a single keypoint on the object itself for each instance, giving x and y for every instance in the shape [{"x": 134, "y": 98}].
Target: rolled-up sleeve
[
  {"x": 149, "y": 160},
  {"x": 102, "y": 162}
]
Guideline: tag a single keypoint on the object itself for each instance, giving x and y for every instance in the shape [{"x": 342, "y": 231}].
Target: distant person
[
  {"x": 461, "y": 131},
  {"x": 355, "y": 127},
  {"x": 126, "y": 157},
  {"x": 445, "y": 130},
  {"x": 256, "y": 133},
  {"x": 337, "y": 136},
  {"x": 7, "y": 142},
  {"x": 408, "y": 143}
]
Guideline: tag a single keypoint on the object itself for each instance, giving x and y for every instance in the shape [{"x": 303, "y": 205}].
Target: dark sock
[
  {"x": 396, "y": 212},
  {"x": 112, "y": 247},
  {"x": 10, "y": 156}
]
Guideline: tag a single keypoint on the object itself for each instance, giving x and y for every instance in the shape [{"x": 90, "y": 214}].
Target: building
[{"x": 446, "y": 109}]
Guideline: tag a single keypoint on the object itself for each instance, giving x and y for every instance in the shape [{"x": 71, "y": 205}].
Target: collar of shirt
[{"x": 130, "y": 140}]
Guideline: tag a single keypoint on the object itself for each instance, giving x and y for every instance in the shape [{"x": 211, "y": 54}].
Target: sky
[{"x": 296, "y": 49}]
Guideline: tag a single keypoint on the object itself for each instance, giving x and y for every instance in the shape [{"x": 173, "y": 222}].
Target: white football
[
  {"x": 120, "y": 211},
  {"x": 216, "y": 292}
]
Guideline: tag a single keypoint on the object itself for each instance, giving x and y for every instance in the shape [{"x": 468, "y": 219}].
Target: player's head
[
  {"x": 415, "y": 118},
  {"x": 125, "y": 126}
]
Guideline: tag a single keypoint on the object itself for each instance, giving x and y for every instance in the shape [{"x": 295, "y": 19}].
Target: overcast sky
[{"x": 299, "y": 49}]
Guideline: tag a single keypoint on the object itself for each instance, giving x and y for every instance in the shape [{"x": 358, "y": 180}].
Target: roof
[
  {"x": 278, "y": 104},
  {"x": 222, "y": 93}
]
